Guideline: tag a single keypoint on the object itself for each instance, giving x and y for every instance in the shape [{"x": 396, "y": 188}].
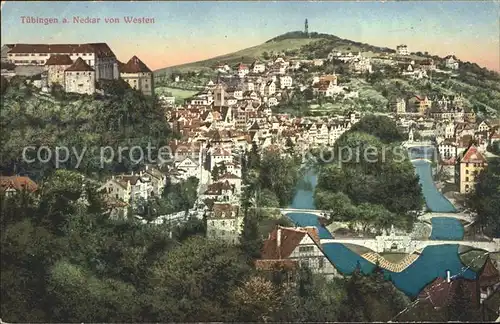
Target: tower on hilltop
[{"x": 306, "y": 27}]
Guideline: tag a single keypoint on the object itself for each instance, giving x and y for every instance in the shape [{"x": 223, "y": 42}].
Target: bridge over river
[{"x": 405, "y": 244}]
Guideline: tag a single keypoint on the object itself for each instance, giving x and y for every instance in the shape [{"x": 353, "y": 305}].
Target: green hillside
[
  {"x": 247, "y": 55},
  {"x": 295, "y": 43}
]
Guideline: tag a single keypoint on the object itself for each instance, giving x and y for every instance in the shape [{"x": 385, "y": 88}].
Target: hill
[
  {"x": 294, "y": 43},
  {"x": 247, "y": 55}
]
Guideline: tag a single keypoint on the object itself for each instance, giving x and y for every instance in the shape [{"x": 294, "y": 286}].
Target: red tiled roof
[
  {"x": 472, "y": 155},
  {"x": 100, "y": 49},
  {"x": 17, "y": 183},
  {"x": 440, "y": 293},
  {"x": 59, "y": 60},
  {"x": 79, "y": 65},
  {"x": 290, "y": 239},
  {"x": 135, "y": 65},
  {"x": 489, "y": 274}
]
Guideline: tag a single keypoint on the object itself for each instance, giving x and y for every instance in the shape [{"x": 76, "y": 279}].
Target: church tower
[{"x": 306, "y": 27}]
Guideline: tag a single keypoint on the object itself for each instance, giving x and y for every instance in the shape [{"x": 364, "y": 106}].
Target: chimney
[{"x": 448, "y": 276}]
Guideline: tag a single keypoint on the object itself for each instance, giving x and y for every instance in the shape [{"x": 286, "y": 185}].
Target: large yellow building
[{"x": 469, "y": 164}]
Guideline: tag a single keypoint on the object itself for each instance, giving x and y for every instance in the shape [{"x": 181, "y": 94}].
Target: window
[
  {"x": 321, "y": 262},
  {"x": 466, "y": 171},
  {"x": 467, "y": 179},
  {"x": 306, "y": 249},
  {"x": 223, "y": 223}
]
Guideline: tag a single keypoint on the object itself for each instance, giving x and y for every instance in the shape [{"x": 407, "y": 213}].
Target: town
[{"x": 242, "y": 143}]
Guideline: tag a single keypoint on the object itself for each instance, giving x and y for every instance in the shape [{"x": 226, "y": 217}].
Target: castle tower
[{"x": 306, "y": 27}]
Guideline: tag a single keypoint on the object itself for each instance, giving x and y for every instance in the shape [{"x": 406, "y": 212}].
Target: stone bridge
[
  {"x": 426, "y": 160},
  {"x": 461, "y": 216},
  {"x": 320, "y": 213},
  {"x": 406, "y": 245},
  {"x": 417, "y": 144}
]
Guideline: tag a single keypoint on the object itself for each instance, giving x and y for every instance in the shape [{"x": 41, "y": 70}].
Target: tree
[
  {"x": 215, "y": 173},
  {"x": 352, "y": 310},
  {"x": 250, "y": 239},
  {"x": 380, "y": 126},
  {"x": 485, "y": 199},
  {"x": 257, "y": 300},
  {"x": 460, "y": 307}
]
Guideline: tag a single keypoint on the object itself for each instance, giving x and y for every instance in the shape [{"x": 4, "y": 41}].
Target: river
[{"x": 433, "y": 262}]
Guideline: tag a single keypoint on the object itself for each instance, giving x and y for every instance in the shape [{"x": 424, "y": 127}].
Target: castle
[{"x": 77, "y": 67}]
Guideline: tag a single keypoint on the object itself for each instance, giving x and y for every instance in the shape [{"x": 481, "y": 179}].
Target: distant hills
[{"x": 291, "y": 43}]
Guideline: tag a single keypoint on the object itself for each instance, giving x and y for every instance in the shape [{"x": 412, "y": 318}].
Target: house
[
  {"x": 79, "y": 78},
  {"x": 399, "y": 106},
  {"x": 5, "y": 51},
  {"x": 300, "y": 245},
  {"x": 97, "y": 55},
  {"x": 325, "y": 88},
  {"x": 187, "y": 168},
  {"x": 451, "y": 62},
  {"x": 483, "y": 127},
  {"x": 56, "y": 65},
  {"x": 469, "y": 164},
  {"x": 258, "y": 67},
  {"x": 402, "y": 50},
  {"x": 285, "y": 82},
  {"x": 420, "y": 104},
  {"x": 137, "y": 75},
  {"x": 225, "y": 223},
  {"x": 219, "y": 155},
  {"x": 440, "y": 292},
  {"x": 269, "y": 88},
  {"x": 128, "y": 188},
  {"x": 243, "y": 70},
  {"x": 219, "y": 191},
  {"x": 447, "y": 150},
  {"x": 233, "y": 180},
  {"x": 158, "y": 179},
  {"x": 117, "y": 189},
  {"x": 428, "y": 65},
  {"x": 362, "y": 65},
  {"x": 328, "y": 77},
  {"x": 10, "y": 185}
]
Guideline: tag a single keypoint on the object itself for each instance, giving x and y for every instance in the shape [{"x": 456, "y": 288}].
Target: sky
[{"x": 189, "y": 31}]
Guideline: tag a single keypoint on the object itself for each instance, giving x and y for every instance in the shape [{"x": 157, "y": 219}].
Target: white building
[
  {"x": 220, "y": 155},
  {"x": 97, "y": 55},
  {"x": 187, "y": 168},
  {"x": 79, "y": 78},
  {"x": 224, "y": 223},
  {"x": 400, "y": 106},
  {"x": 243, "y": 70},
  {"x": 258, "y": 67},
  {"x": 402, "y": 50},
  {"x": 447, "y": 150},
  {"x": 285, "y": 82},
  {"x": 451, "y": 62}
]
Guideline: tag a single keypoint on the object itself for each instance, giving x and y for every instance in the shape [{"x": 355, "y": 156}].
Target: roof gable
[
  {"x": 59, "y": 60},
  {"x": 79, "y": 65},
  {"x": 472, "y": 155},
  {"x": 134, "y": 65}
]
